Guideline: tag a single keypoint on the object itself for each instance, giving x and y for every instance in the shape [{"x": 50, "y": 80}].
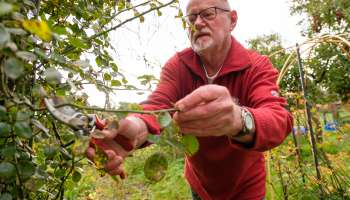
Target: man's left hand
[{"x": 209, "y": 111}]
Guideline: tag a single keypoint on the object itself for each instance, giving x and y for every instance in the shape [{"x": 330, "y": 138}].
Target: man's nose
[{"x": 199, "y": 22}]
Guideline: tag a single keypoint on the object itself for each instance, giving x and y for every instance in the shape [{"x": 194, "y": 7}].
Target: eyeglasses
[{"x": 206, "y": 14}]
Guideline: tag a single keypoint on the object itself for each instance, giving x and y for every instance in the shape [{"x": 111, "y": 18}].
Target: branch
[
  {"x": 130, "y": 19},
  {"x": 116, "y": 110}
]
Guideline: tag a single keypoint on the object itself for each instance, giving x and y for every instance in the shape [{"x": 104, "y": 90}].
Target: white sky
[{"x": 158, "y": 38}]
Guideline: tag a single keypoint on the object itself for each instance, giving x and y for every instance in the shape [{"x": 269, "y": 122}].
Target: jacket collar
[{"x": 237, "y": 59}]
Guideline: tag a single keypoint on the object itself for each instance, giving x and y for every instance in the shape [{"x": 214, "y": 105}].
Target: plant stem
[{"x": 118, "y": 111}]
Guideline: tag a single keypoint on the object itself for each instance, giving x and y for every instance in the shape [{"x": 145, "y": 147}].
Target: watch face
[{"x": 248, "y": 122}]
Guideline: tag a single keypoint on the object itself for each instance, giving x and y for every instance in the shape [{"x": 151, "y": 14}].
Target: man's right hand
[{"x": 134, "y": 133}]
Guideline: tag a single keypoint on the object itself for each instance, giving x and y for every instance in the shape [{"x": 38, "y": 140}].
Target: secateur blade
[{"x": 69, "y": 116}]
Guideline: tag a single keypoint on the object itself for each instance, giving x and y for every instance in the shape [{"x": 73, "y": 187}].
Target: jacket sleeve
[
  {"x": 273, "y": 122},
  {"x": 164, "y": 96}
]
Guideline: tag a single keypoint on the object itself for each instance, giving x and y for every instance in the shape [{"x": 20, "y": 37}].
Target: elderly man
[{"x": 228, "y": 99}]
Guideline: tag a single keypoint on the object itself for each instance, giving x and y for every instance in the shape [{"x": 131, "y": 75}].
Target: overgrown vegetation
[{"x": 44, "y": 46}]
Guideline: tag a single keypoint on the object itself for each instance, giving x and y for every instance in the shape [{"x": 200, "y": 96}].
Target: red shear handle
[{"x": 120, "y": 139}]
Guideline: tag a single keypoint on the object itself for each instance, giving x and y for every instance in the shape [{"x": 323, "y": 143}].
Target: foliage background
[{"x": 55, "y": 48}]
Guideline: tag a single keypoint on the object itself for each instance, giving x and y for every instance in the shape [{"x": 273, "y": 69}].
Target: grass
[{"x": 284, "y": 168}]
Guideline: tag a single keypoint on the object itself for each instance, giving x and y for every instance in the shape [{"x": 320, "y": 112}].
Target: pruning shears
[{"x": 84, "y": 125}]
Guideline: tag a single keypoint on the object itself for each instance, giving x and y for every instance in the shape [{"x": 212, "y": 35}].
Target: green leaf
[
  {"x": 7, "y": 169},
  {"x": 79, "y": 43},
  {"x": 3, "y": 113},
  {"x": 5, "y": 8},
  {"x": 23, "y": 130},
  {"x": 76, "y": 176},
  {"x": 60, "y": 30},
  {"x": 164, "y": 119},
  {"x": 116, "y": 83},
  {"x": 23, "y": 116},
  {"x": 8, "y": 151},
  {"x": 34, "y": 183},
  {"x": 155, "y": 167},
  {"x": 50, "y": 151},
  {"x": 4, "y": 36},
  {"x": 53, "y": 76},
  {"x": 190, "y": 143},
  {"x": 107, "y": 77},
  {"x": 5, "y": 129},
  {"x": 29, "y": 3},
  {"x": 6, "y": 196},
  {"x": 153, "y": 138},
  {"x": 16, "y": 31},
  {"x": 40, "y": 53},
  {"x": 26, "y": 169},
  {"x": 27, "y": 56},
  {"x": 13, "y": 68}
]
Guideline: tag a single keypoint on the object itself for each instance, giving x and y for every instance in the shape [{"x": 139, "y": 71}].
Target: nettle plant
[{"x": 42, "y": 49}]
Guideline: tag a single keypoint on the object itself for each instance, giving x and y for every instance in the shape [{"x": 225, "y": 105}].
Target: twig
[
  {"x": 130, "y": 19},
  {"x": 118, "y": 111}
]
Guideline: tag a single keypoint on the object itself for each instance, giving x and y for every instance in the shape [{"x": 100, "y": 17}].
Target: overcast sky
[{"x": 142, "y": 48}]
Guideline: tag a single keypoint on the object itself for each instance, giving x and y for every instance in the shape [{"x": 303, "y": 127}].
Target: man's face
[{"x": 209, "y": 35}]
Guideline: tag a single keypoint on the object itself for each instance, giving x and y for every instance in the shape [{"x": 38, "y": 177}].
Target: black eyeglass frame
[{"x": 203, "y": 17}]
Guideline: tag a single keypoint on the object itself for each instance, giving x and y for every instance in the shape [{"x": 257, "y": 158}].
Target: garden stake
[{"x": 308, "y": 116}]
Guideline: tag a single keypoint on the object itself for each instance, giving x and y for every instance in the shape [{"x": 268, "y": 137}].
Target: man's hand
[
  {"x": 209, "y": 111},
  {"x": 118, "y": 143}
]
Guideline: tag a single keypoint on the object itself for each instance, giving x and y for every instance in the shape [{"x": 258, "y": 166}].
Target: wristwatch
[{"x": 248, "y": 125}]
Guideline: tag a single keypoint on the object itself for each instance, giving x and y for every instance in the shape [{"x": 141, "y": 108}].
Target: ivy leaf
[
  {"x": 5, "y": 129},
  {"x": 7, "y": 169},
  {"x": 27, "y": 56},
  {"x": 190, "y": 143},
  {"x": 39, "y": 28},
  {"x": 13, "y": 68},
  {"x": 155, "y": 167},
  {"x": 5, "y": 8},
  {"x": 23, "y": 130},
  {"x": 164, "y": 119},
  {"x": 4, "y": 36}
]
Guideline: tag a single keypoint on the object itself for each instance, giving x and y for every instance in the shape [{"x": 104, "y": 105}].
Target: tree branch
[{"x": 130, "y": 19}]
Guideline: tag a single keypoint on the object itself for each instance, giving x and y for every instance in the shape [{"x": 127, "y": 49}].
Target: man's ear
[{"x": 234, "y": 17}]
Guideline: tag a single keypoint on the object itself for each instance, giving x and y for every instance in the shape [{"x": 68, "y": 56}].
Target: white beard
[{"x": 199, "y": 46}]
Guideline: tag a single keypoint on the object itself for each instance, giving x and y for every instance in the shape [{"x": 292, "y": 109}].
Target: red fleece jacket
[{"x": 223, "y": 169}]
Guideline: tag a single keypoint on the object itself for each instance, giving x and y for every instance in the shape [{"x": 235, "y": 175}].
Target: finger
[
  {"x": 125, "y": 142},
  {"x": 201, "y": 95},
  {"x": 114, "y": 161},
  {"x": 90, "y": 153},
  {"x": 128, "y": 128},
  {"x": 213, "y": 121},
  {"x": 205, "y": 111},
  {"x": 119, "y": 171}
]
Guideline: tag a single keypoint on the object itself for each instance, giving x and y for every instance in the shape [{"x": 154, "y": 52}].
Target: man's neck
[{"x": 214, "y": 59}]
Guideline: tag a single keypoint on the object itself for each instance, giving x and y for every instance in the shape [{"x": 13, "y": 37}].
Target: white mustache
[{"x": 201, "y": 32}]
